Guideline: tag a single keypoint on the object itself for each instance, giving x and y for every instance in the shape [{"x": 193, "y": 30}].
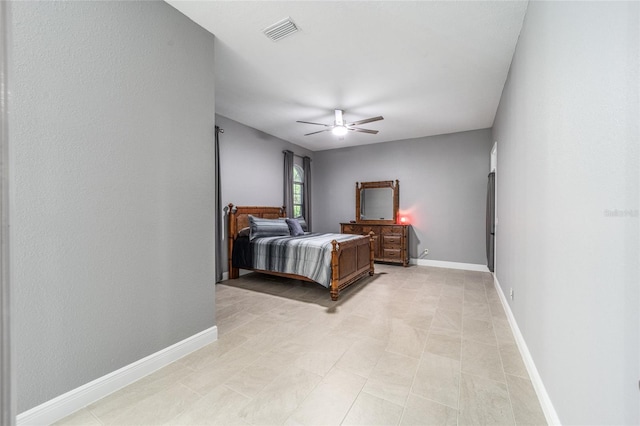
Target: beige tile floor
[{"x": 408, "y": 346}]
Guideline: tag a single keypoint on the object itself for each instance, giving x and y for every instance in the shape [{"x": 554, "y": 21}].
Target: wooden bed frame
[{"x": 350, "y": 260}]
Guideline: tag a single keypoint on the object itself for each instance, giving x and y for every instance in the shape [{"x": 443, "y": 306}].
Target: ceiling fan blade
[
  {"x": 366, "y": 120},
  {"x": 319, "y": 131},
  {"x": 356, "y": 129},
  {"x": 317, "y": 124}
]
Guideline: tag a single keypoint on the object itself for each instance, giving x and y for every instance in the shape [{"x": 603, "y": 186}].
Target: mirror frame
[{"x": 380, "y": 184}]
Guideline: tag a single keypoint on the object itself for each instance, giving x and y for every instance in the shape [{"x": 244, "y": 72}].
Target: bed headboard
[{"x": 239, "y": 216}]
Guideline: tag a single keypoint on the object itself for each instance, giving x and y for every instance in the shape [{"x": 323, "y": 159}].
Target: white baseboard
[
  {"x": 449, "y": 265},
  {"x": 547, "y": 407},
  {"x": 72, "y": 401}
]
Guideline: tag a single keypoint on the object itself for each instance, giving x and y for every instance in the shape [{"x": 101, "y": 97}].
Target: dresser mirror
[{"x": 377, "y": 202}]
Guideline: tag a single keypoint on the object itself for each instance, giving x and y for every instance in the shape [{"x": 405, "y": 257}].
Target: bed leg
[{"x": 234, "y": 273}]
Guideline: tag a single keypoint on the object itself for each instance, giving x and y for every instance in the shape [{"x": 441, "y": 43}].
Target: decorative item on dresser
[
  {"x": 377, "y": 205},
  {"x": 332, "y": 260}
]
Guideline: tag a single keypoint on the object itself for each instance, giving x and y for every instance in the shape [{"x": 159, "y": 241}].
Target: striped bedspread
[{"x": 307, "y": 255}]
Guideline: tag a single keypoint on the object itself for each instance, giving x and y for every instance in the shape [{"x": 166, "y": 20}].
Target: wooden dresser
[{"x": 391, "y": 242}]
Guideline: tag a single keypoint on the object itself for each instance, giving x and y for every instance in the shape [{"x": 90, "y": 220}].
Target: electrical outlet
[{"x": 511, "y": 294}]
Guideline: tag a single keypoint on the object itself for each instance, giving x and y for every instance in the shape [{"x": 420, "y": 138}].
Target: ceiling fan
[{"x": 340, "y": 128}]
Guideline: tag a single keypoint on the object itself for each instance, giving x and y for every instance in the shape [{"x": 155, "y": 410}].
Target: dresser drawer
[
  {"x": 392, "y": 241},
  {"x": 358, "y": 229},
  {"x": 353, "y": 229},
  {"x": 392, "y": 254},
  {"x": 390, "y": 229}
]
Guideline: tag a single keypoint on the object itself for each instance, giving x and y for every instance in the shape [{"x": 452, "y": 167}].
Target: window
[{"x": 298, "y": 188}]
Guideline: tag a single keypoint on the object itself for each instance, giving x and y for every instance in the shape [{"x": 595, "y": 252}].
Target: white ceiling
[{"x": 428, "y": 67}]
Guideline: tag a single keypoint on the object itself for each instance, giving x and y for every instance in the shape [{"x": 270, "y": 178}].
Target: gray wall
[
  {"x": 568, "y": 150},
  {"x": 112, "y": 113},
  {"x": 7, "y": 384},
  {"x": 443, "y": 182},
  {"x": 251, "y": 168}
]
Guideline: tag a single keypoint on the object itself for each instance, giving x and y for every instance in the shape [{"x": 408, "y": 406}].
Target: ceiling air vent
[{"x": 280, "y": 29}]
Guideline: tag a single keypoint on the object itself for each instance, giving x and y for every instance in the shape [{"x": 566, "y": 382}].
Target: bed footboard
[{"x": 350, "y": 261}]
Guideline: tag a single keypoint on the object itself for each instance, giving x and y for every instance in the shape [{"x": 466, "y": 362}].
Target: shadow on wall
[{"x": 414, "y": 243}]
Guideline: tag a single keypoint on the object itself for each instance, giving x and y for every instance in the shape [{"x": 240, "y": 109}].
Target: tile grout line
[{"x": 94, "y": 416}]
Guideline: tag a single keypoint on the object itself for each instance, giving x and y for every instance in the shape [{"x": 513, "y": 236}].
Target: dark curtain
[
  {"x": 491, "y": 220},
  {"x": 218, "y": 209},
  {"x": 306, "y": 162},
  {"x": 288, "y": 183}
]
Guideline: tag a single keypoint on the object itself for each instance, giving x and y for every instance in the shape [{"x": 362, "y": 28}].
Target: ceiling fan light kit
[{"x": 339, "y": 128}]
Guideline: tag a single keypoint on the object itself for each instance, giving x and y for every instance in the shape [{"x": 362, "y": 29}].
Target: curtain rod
[{"x": 296, "y": 155}]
